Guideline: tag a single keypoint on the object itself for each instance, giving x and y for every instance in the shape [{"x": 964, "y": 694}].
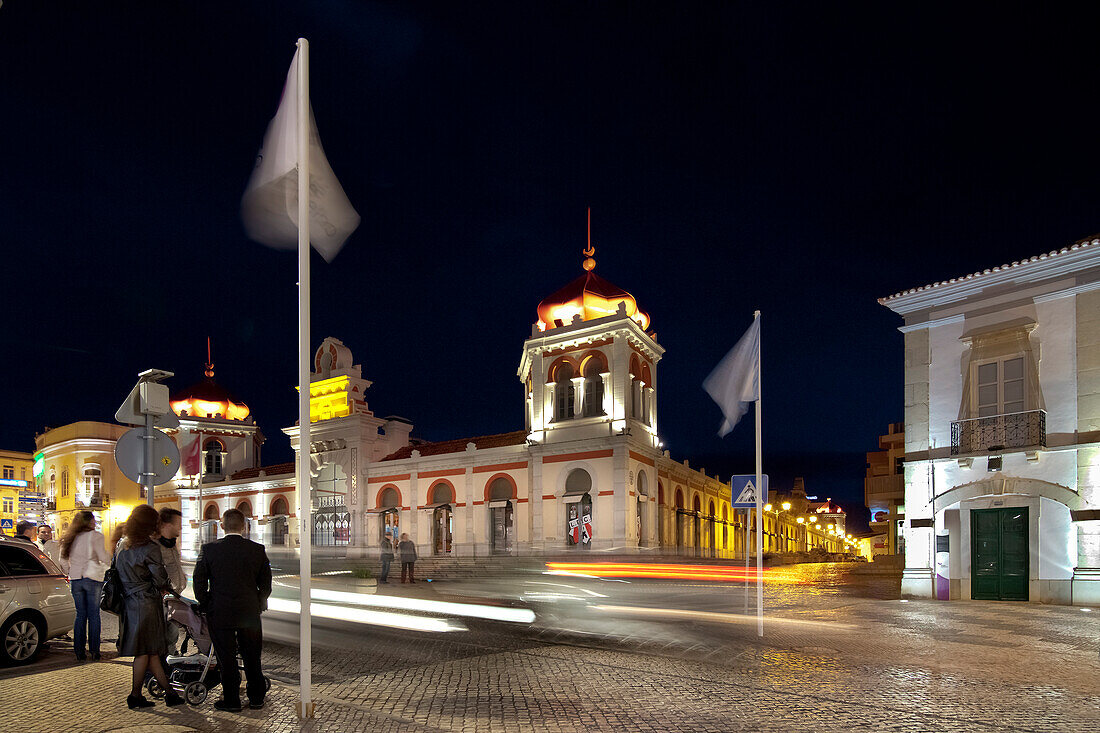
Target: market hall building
[
  {"x": 586, "y": 471},
  {"x": 1002, "y": 432}
]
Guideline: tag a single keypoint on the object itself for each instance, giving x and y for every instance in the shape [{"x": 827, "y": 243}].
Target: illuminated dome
[
  {"x": 589, "y": 296},
  {"x": 208, "y": 399}
]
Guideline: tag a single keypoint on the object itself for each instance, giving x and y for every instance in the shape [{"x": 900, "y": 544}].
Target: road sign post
[{"x": 146, "y": 455}]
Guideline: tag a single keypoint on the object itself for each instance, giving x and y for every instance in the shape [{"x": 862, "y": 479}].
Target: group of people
[
  {"x": 232, "y": 582},
  {"x": 405, "y": 549}
]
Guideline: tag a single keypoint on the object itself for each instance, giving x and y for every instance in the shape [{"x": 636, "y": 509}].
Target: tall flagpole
[
  {"x": 759, "y": 490},
  {"x": 305, "y": 540}
]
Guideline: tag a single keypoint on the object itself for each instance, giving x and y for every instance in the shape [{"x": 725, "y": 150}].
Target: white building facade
[
  {"x": 585, "y": 472},
  {"x": 1002, "y": 432}
]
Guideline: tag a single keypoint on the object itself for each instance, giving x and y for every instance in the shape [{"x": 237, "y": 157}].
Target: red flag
[{"x": 192, "y": 457}]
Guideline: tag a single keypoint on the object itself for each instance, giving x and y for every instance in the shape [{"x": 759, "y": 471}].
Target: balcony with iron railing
[{"x": 1019, "y": 430}]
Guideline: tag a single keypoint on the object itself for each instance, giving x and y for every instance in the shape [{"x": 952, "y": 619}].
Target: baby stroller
[{"x": 194, "y": 675}]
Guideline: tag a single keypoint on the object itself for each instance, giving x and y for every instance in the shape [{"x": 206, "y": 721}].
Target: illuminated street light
[
  {"x": 801, "y": 520},
  {"x": 786, "y": 506},
  {"x": 767, "y": 507}
]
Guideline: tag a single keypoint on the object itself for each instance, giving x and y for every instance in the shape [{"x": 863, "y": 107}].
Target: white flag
[
  {"x": 735, "y": 382},
  {"x": 269, "y": 208}
]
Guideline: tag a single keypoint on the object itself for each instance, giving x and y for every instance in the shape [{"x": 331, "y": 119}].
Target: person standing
[
  {"x": 84, "y": 559},
  {"x": 26, "y": 531},
  {"x": 232, "y": 582},
  {"x": 48, "y": 544},
  {"x": 169, "y": 528},
  {"x": 142, "y": 633},
  {"x": 407, "y": 550},
  {"x": 387, "y": 558}
]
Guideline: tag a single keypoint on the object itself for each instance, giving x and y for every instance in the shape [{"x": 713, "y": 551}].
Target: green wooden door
[{"x": 999, "y": 554}]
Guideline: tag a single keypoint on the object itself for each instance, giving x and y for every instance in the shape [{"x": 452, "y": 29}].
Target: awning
[
  {"x": 383, "y": 510},
  {"x": 435, "y": 506}
]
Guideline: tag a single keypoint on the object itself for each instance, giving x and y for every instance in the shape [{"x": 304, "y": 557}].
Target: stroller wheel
[
  {"x": 153, "y": 688},
  {"x": 195, "y": 693}
]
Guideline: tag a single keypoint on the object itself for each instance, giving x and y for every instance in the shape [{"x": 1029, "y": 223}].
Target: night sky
[{"x": 799, "y": 159}]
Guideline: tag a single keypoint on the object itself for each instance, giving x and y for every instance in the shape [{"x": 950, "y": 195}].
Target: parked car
[{"x": 35, "y": 601}]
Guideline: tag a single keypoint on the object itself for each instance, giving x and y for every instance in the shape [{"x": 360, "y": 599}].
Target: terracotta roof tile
[
  {"x": 500, "y": 440},
  {"x": 1082, "y": 244},
  {"x": 277, "y": 469}
]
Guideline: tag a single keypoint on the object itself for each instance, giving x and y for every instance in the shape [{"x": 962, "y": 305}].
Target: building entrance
[
  {"x": 500, "y": 518},
  {"x": 1000, "y": 554}
]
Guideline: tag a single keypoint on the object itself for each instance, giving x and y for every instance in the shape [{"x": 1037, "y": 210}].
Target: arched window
[
  {"x": 389, "y": 498},
  {"x": 279, "y": 507},
  {"x": 635, "y": 373},
  {"x": 213, "y": 450},
  {"x": 501, "y": 489},
  {"x": 211, "y": 512},
  {"x": 65, "y": 482},
  {"x": 53, "y": 486},
  {"x": 593, "y": 369},
  {"x": 441, "y": 493},
  {"x": 679, "y": 499},
  {"x": 245, "y": 508},
  {"x": 93, "y": 481},
  {"x": 578, "y": 482},
  {"x": 647, "y": 381},
  {"x": 564, "y": 392}
]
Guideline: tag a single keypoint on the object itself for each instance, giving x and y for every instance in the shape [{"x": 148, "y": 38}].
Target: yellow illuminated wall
[
  {"x": 15, "y": 469},
  {"x": 76, "y": 447},
  {"x": 329, "y": 398}
]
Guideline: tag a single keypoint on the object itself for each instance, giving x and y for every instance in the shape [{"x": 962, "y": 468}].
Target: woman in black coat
[{"x": 144, "y": 581}]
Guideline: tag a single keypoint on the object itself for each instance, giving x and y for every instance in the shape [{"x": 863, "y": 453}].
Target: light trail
[
  {"x": 468, "y": 610},
  {"x": 728, "y": 573},
  {"x": 372, "y": 618},
  {"x": 714, "y": 617}
]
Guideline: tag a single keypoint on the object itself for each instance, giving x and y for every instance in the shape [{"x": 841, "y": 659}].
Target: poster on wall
[{"x": 579, "y": 525}]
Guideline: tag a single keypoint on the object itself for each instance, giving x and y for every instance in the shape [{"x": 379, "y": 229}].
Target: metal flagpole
[
  {"x": 305, "y": 704},
  {"x": 748, "y": 518},
  {"x": 759, "y": 479}
]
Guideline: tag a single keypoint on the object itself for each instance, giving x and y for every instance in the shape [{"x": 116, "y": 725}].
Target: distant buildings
[
  {"x": 16, "y": 491},
  {"x": 1002, "y": 431},
  {"x": 884, "y": 492}
]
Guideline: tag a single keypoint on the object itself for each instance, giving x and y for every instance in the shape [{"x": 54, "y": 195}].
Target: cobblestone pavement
[{"x": 828, "y": 663}]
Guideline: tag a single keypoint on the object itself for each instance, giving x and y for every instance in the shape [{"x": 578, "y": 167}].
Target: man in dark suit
[{"x": 232, "y": 581}]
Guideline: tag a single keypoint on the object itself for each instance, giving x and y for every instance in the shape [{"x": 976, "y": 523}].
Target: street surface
[{"x": 840, "y": 652}]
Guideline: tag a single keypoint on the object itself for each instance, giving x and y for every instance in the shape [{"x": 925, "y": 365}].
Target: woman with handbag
[
  {"x": 144, "y": 581},
  {"x": 84, "y": 559}
]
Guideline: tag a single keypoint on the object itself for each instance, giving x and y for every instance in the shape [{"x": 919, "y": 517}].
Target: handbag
[{"x": 113, "y": 596}]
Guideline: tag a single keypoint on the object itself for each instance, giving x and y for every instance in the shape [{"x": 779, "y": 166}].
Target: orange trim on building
[
  {"x": 460, "y": 504},
  {"x": 520, "y": 501},
  {"x": 548, "y": 496},
  {"x": 478, "y": 503},
  {"x": 606, "y": 493},
  {"x": 631, "y": 493},
  {"x": 437, "y": 474},
  {"x": 578, "y": 456},
  {"x": 500, "y": 467},
  {"x": 494, "y": 477},
  {"x": 378, "y": 497},
  {"x": 384, "y": 479},
  {"x": 442, "y": 482},
  {"x": 642, "y": 459}
]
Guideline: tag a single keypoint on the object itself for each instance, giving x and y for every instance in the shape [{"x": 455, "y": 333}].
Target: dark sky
[{"x": 803, "y": 159}]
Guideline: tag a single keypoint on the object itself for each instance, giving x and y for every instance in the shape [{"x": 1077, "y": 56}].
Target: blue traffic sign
[
  {"x": 743, "y": 495},
  {"x": 6, "y": 524}
]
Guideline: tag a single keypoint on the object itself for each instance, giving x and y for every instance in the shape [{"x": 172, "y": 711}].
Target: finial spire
[
  {"x": 589, "y": 263},
  {"x": 209, "y": 362}
]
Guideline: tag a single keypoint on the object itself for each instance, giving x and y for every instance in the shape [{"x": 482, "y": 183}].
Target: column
[
  {"x": 608, "y": 394},
  {"x": 578, "y": 396},
  {"x": 649, "y": 410}
]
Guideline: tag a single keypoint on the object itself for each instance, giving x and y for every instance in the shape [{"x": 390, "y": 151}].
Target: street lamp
[{"x": 786, "y": 506}]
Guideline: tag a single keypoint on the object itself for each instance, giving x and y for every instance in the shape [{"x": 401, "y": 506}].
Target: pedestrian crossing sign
[{"x": 743, "y": 491}]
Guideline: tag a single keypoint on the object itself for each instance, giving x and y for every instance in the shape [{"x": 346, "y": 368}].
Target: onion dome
[
  {"x": 589, "y": 296},
  {"x": 208, "y": 399}
]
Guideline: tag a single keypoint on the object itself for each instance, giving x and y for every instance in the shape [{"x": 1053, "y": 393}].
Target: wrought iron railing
[
  {"x": 892, "y": 484},
  {"x": 999, "y": 432}
]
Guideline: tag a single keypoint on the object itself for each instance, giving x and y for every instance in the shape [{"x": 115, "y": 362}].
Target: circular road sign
[{"x": 130, "y": 455}]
